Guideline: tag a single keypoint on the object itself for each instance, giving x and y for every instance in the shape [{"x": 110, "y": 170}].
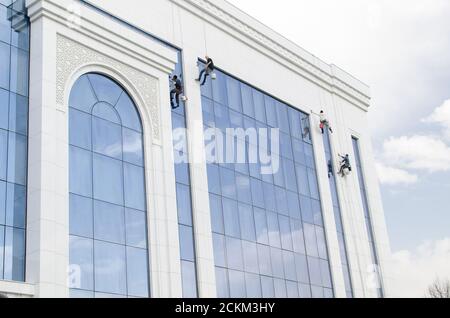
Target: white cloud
[
  {"x": 394, "y": 176},
  {"x": 441, "y": 116},
  {"x": 426, "y": 153},
  {"x": 415, "y": 271}
]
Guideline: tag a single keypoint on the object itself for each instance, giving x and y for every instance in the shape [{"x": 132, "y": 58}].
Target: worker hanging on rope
[
  {"x": 346, "y": 166},
  {"x": 324, "y": 123},
  {"x": 207, "y": 71},
  {"x": 176, "y": 92},
  {"x": 330, "y": 169}
]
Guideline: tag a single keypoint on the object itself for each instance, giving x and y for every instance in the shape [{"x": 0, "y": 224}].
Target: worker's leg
[
  {"x": 204, "y": 79},
  {"x": 172, "y": 93},
  {"x": 200, "y": 75}
]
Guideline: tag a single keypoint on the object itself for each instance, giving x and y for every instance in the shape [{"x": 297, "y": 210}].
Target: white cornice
[
  {"x": 244, "y": 28},
  {"x": 105, "y": 31}
]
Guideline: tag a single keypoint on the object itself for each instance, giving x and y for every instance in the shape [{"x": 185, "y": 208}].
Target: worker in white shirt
[{"x": 324, "y": 123}]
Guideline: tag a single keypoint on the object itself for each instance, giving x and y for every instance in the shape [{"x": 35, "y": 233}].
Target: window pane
[
  {"x": 105, "y": 89},
  {"x": 106, "y": 112},
  {"x": 325, "y": 273},
  {"x": 128, "y": 113},
  {"x": 244, "y": 191},
  {"x": 247, "y": 222},
  {"x": 107, "y": 138},
  {"x": 132, "y": 147},
  {"x": 81, "y": 216},
  {"x": 5, "y": 25},
  {"x": 82, "y": 96},
  {"x": 109, "y": 260},
  {"x": 4, "y": 65},
  {"x": 82, "y": 263},
  {"x": 265, "y": 266},
  {"x": 247, "y": 101},
  {"x": 282, "y": 206},
  {"x": 260, "y": 111},
  {"x": 280, "y": 288},
  {"x": 189, "y": 279},
  {"x": 253, "y": 285},
  {"x": 274, "y": 230},
  {"x": 250, "y": 253},
  {"x": 228, "y": 183},
  {"x": 136, "y": 233},
  {"x": 262, "y": 235},
  {"x": 282, "y": 117},
  {"x": 80, "y": 129},
  {"x": 219, "y": 250},
  {"x": 315, "y": 271},
  {"x": 14, "y": 267},
  {"x": 285, "y": 230},
  {"x": 108, "y": 180},
  {"x": 220, "y": 88},
  {"x": 4, "y": 109},
  {"x": 321, "y": 243},
  {"x": 234, "y": 254},
  {"x": 269, "y": 197},
  {"x": 231, "y": 218},
  {"x": 186, "y": 243},
  {"x": 216, "y": 214},
  {"x": 17, "y": 159},
  {"x": 16, "y": 206},
  {"x": 80, "y": 294},
  {"x": 289, "y": 266},
  {"x": 293, "y": 205},
  {"x": 137, "y": 272},
  {"x": 214, "y": 179},
  {"x": 109, "y": 222},
  {"x": 292, "y": 289},
  {"x": 19, "y": 71},
  {"x": 18, "y": 114},
  {"x": 257, "y": 193},
  {"x": 301, "y": 267},
  {"x": 184, "y": 205},
  {"x": 310, "y": 240},
  {"x": 267, "y": 287},
  {"x": 271, "y": 112},
  {"x": 297, "y": 236},
  {"x": 222, "y": 283},
  {"x": 234, "y": 94},
  {"x": 237, "y": 284},
  {"x": 80, "y": 172}
]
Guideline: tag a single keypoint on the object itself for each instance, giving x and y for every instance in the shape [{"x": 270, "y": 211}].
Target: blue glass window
[
  {"x": 265, "y": 226},
  {"x": 108, "y": 220},
  {"x": 14, "y": 82}
]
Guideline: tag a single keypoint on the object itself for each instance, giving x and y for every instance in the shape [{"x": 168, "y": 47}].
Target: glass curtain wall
[
  {"x": 14, "y": 79},
  {"x": 268, "y": 232},
  {"x": 108, "y": 210}
]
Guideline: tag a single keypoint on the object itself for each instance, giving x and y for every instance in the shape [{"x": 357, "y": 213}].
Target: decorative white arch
[{"x": 74, "y": 59}]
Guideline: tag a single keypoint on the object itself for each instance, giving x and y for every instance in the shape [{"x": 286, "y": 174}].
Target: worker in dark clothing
[
  {"x": 345, "y": 165},
  {"x": 177, "y": 91},
  {"x": 330, "y": 169},
  {"x": 207, "y": 71}
]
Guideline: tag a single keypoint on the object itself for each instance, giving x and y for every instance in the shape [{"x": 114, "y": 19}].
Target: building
[{"x": 96, "y": 200}]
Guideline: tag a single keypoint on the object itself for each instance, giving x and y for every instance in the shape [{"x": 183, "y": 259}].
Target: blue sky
[{"x": 401, "y": 49}]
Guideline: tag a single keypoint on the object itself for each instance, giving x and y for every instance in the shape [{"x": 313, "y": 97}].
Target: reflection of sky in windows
[
  {"x": 268, "y": 231},
  {"x": 14, "y": 69},
  {"x": 108, "y": 227}
]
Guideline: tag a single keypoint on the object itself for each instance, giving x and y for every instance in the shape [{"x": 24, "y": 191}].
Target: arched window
[{"x": 108, "y": 219}]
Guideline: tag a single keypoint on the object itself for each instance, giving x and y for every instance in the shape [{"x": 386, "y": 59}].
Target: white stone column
[{"x": 48, "y": 171}]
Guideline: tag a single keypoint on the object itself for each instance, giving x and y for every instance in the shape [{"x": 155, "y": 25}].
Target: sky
[{"x": 401, "y": 49}]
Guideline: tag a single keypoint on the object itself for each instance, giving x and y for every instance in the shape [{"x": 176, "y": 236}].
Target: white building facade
[{"x": 94, "y": 201}]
